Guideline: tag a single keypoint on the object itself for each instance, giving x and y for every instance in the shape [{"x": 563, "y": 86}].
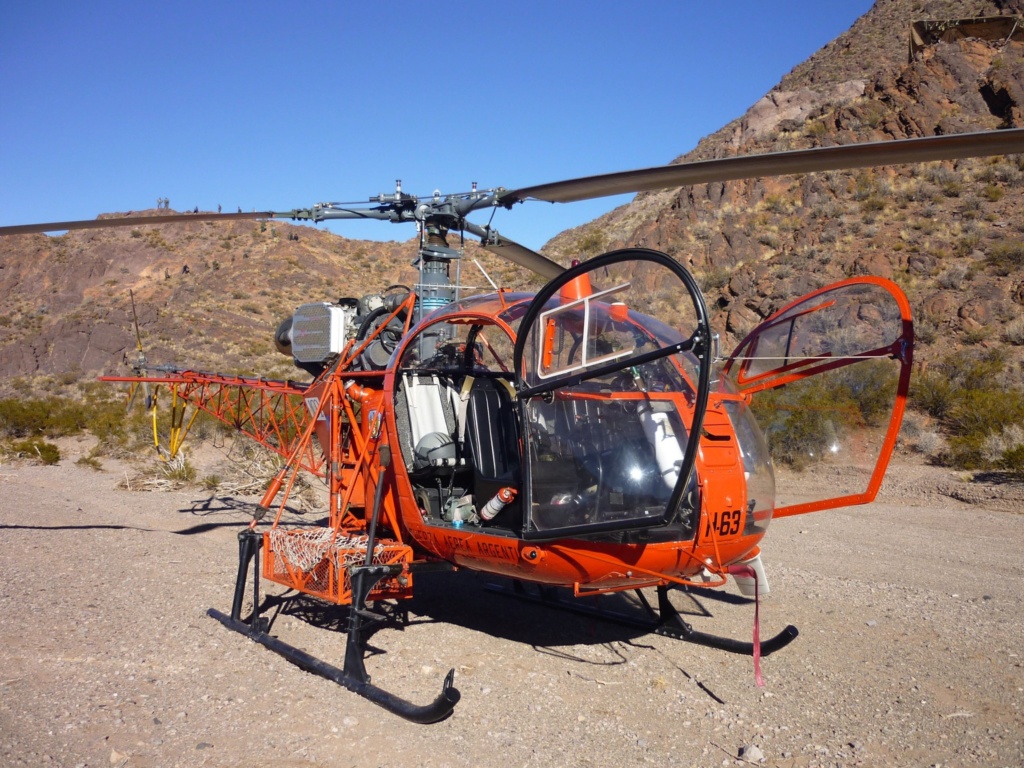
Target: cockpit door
[
  {"x": 612, "y": 364},
  {"x": 827, "y": 377}
]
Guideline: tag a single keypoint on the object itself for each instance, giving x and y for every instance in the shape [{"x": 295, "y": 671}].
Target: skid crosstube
[{"x": 353, "y": 675}]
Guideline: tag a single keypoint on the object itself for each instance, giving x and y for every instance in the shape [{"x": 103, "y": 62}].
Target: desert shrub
[
  {"x": 912, "y": 192},
  {"x": 873, "y": 203},
  {"x": 1013, "y": 333},
  {"x": 101, "y": 413},
  {"x": 713, "y": 278},
  {"x": 805, "y": 420},
  {"x": 591, "y": 243},
  {"x": 864, "y": 186},
  {"x": 970, "y": 207},
  {"x": 973, "y": 336},
  {"x": 984, "y": 411},
  {"x": 797, "y": 435},
  {"x": 930, "y": 443},
  {"x": 953, "y": 277},
  {"x": 776, "y": 203},
  {"x": 38, "y": 449},
  {"x": 1012, "y": 461},
  {"x": 993, "y": 193},
  {"x": 90, "y": 461},
  {"x": 925, "y": 331},
  {"x": 179, "y": 468},
  {"x": 967, "y": 243},
  {"x": 1006, "y": 257},
  {"x": 871, "y": 385},
  {"x": 18, "y": 418},
  {"x": 1009, "y": 174},
  {"x": 816, "y": 129},
  {"x": 952, "y": 188},
  {"x": 942, "y": 175},
  {"x": 970, "y": 398},
  {"x": 108, "y": 421},
  {"x": 998, "y": 444},
  {"x": 829, "y": 209},
  {"x": 51, "y": 416},
  {"x": 937, "y": 390}
]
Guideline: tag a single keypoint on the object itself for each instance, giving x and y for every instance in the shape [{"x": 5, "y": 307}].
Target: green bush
[
  {"x": 51, "y": 416},
  {"x": 938, "y": 390},
  {"x": 38, "y": 449},
  {"x": 90, "y": 461},
  {"x": 1012, "y": 461},
  {"x": 803, "y": 421},
  {"x": 993, "y": 193},
  {"x": 969, "y": 397},
  {"x": 56, "y": 416},
  {"x": 101, "y": 411},
  {"x": 1006, "y": 258},
  {"x": 871, "y": 385}
]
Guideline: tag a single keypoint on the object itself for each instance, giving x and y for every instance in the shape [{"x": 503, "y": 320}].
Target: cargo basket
[{"x": 316, "y": 561}]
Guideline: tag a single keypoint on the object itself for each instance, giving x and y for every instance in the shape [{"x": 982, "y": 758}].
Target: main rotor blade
[
  {"x": 920, "y": 150},
  {"x": 497, "y": 244},
  {"x": 131, "y": 221}
]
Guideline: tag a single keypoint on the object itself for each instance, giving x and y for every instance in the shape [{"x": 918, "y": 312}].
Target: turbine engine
[{"x": 318, "y": 332}]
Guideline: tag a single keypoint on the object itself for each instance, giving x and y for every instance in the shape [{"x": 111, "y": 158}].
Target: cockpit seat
[
  {"x": 491, "y": 443},
  {"x": 490, "y": 432}
]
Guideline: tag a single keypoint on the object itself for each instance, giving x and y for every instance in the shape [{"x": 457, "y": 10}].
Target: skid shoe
[{"x": 666, "y": 620}]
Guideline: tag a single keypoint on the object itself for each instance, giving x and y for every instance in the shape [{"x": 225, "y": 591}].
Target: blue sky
[{"x": 107, "y": 106}]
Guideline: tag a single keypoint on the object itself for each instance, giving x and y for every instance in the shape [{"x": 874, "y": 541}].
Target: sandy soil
[{"x": 909, "y": 650}]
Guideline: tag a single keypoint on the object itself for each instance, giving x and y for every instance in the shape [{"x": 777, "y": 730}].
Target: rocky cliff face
[
  {"x": 208, "y": 295},
  {"x": 951, "y": 234}
]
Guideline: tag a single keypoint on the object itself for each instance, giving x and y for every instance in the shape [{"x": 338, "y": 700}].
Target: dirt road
[{"x": 910, "y": 647}]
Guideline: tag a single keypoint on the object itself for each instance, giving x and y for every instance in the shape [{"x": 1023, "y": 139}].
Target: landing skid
[
  {"x": 353, "y": 675},
  {"x": 665, "y": 621}
]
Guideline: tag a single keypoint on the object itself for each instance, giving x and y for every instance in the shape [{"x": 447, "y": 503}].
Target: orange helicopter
[{"x": 587, "y": 437}]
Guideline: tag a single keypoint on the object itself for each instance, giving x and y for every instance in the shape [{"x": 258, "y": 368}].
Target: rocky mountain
[
  {"x": 951, "y": 234},
  {"x": 208, "y": 296}
]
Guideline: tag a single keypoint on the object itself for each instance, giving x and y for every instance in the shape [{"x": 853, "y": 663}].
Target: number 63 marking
[{"x": 725, "y": 523}]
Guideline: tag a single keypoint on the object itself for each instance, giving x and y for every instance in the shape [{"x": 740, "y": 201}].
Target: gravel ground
[{"x": 908, "y": 654}]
